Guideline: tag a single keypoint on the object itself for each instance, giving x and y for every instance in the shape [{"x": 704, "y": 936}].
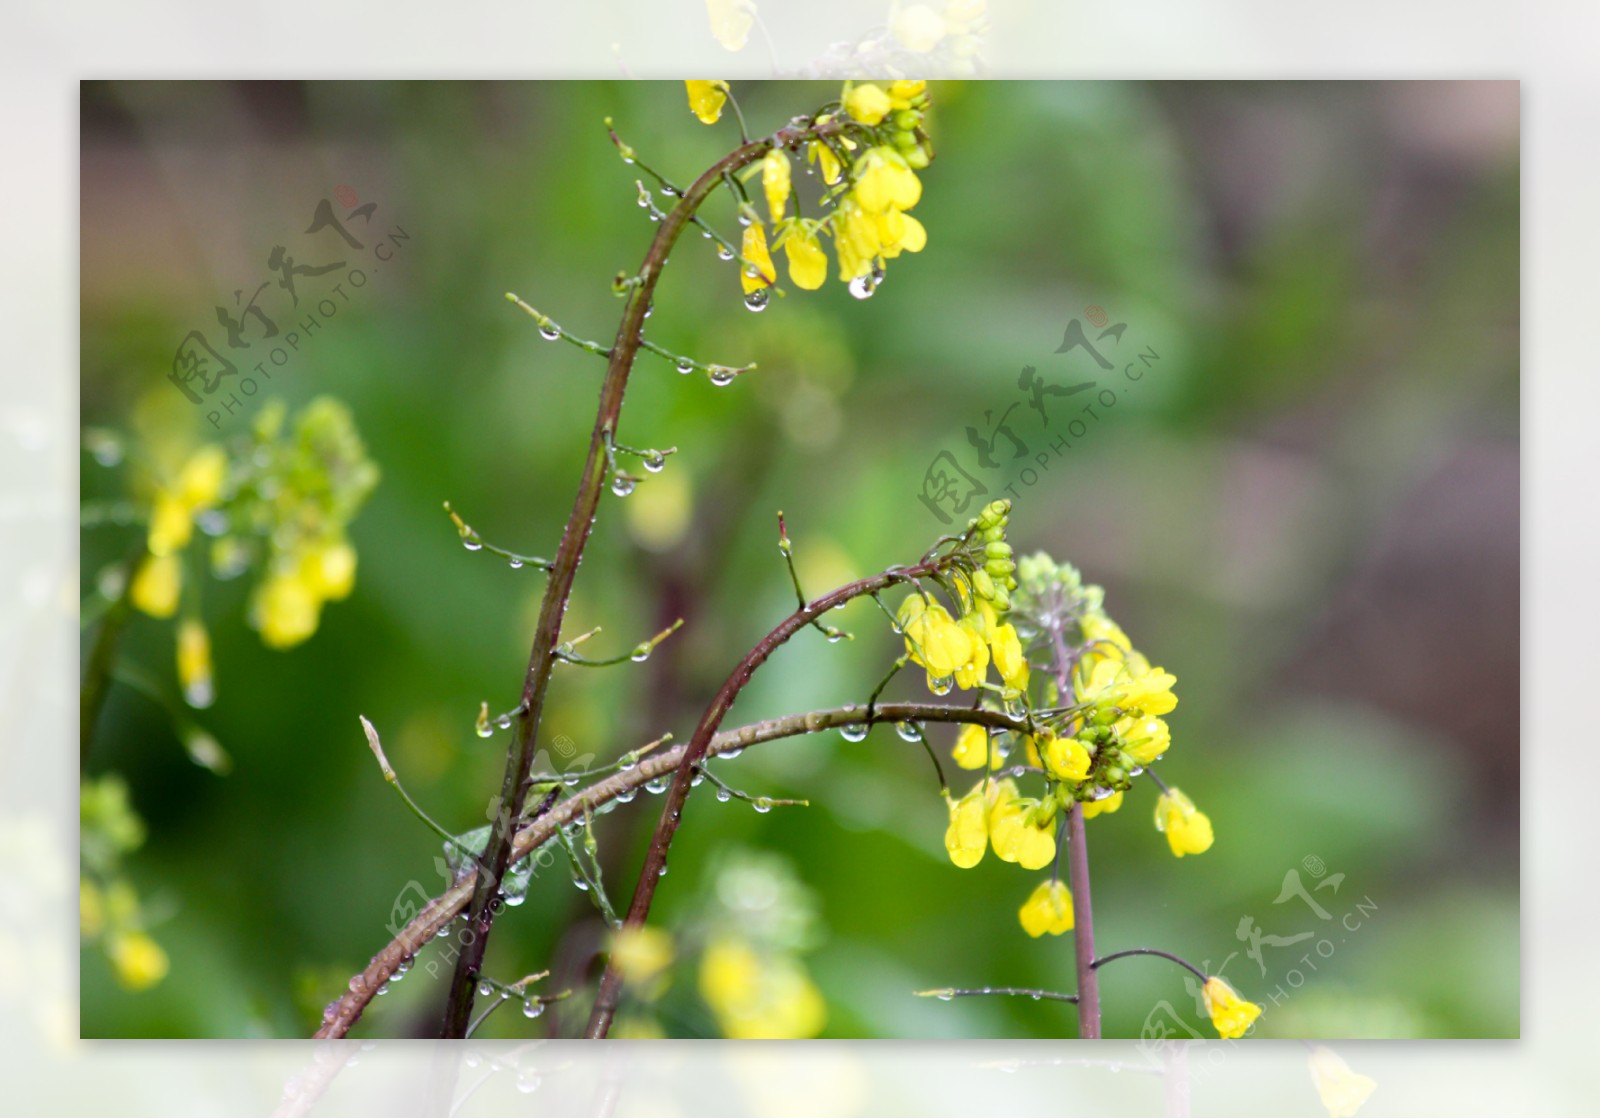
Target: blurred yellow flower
[
  {"x": 91, "y": 909},
  {"x": 707, "y": 98},
  {"x": 157, "y": 585},
  {"x": 171, "y": 524},
  {"x": 139, "y": 961},
  {"x": 1341, "y": 1089},
  {"x": 286, "y": 611},
  {"x": 918, "y": 27},
  {"x": 329, "y": 569},
  {"x": 194, "y": 662},
  {"x": 885, "y": 179},
  {"x": 731, "y": 21},
  {"x": 1145, "y": 740},
  {"x": 1188, "y": 830},
  {"x": 1150, "y": 693},
  {"x": 932, "y": 637},
  {"x": 755, "y": 995},
  {"x": 1230, "y": 1014},
  {"x": 642, "y": 955},
  {"x": 1047, "y": 910}
]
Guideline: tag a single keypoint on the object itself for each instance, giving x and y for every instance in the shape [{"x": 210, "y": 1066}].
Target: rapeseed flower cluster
[{"x": 868, "y": 149}]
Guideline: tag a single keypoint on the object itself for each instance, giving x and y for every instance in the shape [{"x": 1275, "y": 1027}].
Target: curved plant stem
[
  {"x": 564, "y": 568},
  {"x": 103, "y": 654},
  {"x": 440, "y": 911},
  {"x": 655, "y": 860}
]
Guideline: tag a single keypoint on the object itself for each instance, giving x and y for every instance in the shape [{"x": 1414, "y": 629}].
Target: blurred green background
[{"x": 1308, "y": 511}]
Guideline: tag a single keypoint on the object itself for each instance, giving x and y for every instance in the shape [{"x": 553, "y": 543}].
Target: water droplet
[
  {"x": 383, "y": 988},
  {"x": 503, "y": 721},
  {"x": 571, "y": 780},
  {"x": 655, "y": 214},
  {"x": 946, "y": 996},
  {"x": 654, "y": 462},
  {"x": 358, "y": 983},
  {"x": 527, "y": 1080},
  {"x": 941, "y": 685},
  {"x": 470, "y": 544},
  {"x": 471, "y": 1060},
  {"x": 662, "y": 873},
  {"x": 757, "y": 300},
  {"x": 485, "y": 730},
  {"x": 909, "y": 731},
  {"x": 835, "y": 637},
  {"x": 549, "y": 331},
  {"x": 581, "y": 884},
  {"x": 531, "y": 1009},
  {"x": 724, "y": 795},
  {"x": 515, "y": 563},
  {"x": 724, "y": 252},
  {"x": 685, "y": 365},
  {"x": 644, "y": 197},
  {"x": 443, "y": 932},
  {"x": 721, "y": 375},
  {"x": 862, "y": 287},
  {"x": 484, "y": 990},
  {"x": 696, "y": 779},
  {"x": 622, "y": 485},
  {"x": 213, "y": 522},
  {"x": 627, "y": 795},
  {"x": 734, "y": 753},
  {"x": 199, "y": 693},
  {"x": 656, "y": 785},
  {"x": 650, "y": 308},
  {"x": 1035, "y": 996},
  {"x": 669, "y": 190},
  {"x": 744, "y": 217},
  {"x": 761, "y": 804},
  {"x": 853, "y": 732},
  {"x": 640, "y": 655},
  {"x": 628, "y": 763}
]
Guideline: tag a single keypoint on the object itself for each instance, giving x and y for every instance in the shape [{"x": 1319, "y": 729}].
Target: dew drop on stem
[{"x": 853, "y": 732}]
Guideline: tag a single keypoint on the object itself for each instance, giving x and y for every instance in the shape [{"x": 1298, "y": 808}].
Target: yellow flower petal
[
  {"x": 194, "y": 662},
  {"x": 968, "y": 834},
  {"x": 775, "y": 182},
  {"x": 706, "y": 99},
  {"x": 286, "y": 611},
  {"x": 1187, "y": 829},
  {"x": 201, "y": 479},
  {"x": 1009, "y": 661},
  {"x": 156, "y": 587},
  {"x": 1230, "y": 1014},
  {"x": 756, "y": 257},
  {"x": 731, "y": 21},
  {"x": 972, "y": 747},
  {"x": 1047, "y": 910},
  {"x": 1341, "y": 1089},
  {"x": 171, "y": 524},
  {"x": 868, "y": 103},
  {"x": 139, "y": 961},
  {"x": 1107, "y": 805},
  {"x": 808, "y": 264},
  {"x": 1066, "y": 759}
]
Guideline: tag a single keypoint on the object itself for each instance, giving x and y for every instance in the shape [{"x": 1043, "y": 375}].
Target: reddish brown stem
[
  {"x": 1078, "y": 876},
  {"x": 564, "y": 569},
  {"x": 655, "y": 861}
]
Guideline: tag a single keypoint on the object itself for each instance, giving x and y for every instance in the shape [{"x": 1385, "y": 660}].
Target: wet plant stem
[{"x": 1078, "y": 873}]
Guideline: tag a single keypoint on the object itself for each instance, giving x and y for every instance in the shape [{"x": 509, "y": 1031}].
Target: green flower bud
[
  {"x": 997, "y": 549},
  {"x": 982, "y": 584}
]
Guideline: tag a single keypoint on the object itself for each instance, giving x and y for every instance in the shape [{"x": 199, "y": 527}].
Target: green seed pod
[
  {"x": 997, "y": 549},
  {"x": 1001, "y": 599},
  {"x": 917, "y": 159},
  {"x": 905, "y": 120},
  {"x": 1115, "y": 775}
]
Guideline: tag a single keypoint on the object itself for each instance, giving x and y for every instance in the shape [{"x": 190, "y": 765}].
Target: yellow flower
[
  {"x": 756, "y": 996},
  {"x": 1188, "y": 830},
  {"x": 821, "y": 153},
  {"x": 91, "y": 909},
  {"x": 808, "y": 264},
  {"x": 642, "y": 954},
  {"x": 730, "y": 22},
  {"x": 706, "y": 99},
  {"x": 1342, "y": 1090},
  {"x": 1093, "y": 808},
  {"x": 775, "y": 182},
  {"x": 1047, "y": 910},
  {"x": 201, "y": 479},
  {"x": 194, "y": 662},
  {"x": 157, "y": 585},
  {"x": 171, "y": 524},
  {"x": 1145, "y": 740},
  {"x": 1230, "y": 1014},
  {"x": 757, "y": 258},
  {"x": 867, "y": 103},
  {"x": 968, "y": 834},
  {"x": 972, "y": 747},
  {"x": 329, "y": 569},
  {"x": 900, "y": 232},
  {"x": 855, "y": 237},
  {"x": 139, "y": 961},
  {"x": 1008, "y": 659},
  {"x": 1150, "y": 693},
  {"x": 1066, "y": 759},
  {"x": 903, "y": 92},
  {"x": 1016, "y": 836},
  {"x": 286, "y": 611},
  {"x": 885, "y": 179},
  {"x": 918, "y": 27},
  {"x": 933, "y": 638},
  {"x": 971, "y": 674}
]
